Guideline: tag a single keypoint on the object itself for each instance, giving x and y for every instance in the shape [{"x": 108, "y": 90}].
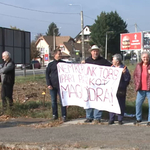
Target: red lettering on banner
[
  {"x": 90, "y": 90},
  {"x": 91, "y": 71},
  {"x": 116, "y": 74},
  {"x": 66, "y": 78},
  {"x": 97, "y": 94},
  {"x": 108, "y": 96}
]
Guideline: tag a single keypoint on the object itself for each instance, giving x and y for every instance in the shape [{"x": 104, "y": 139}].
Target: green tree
[
  {"x": 15, "y": 28},
  {"x": 104, "y": 23},
  {"x": 52, "y": 28},
  {"x": 34, "y": 52}
]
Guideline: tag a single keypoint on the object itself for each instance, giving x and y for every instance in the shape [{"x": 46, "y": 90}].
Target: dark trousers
[
  {"x": 121, "y": 100},
  {"x": 53, "y": 94},
  {"x": 6, "y": 95}
]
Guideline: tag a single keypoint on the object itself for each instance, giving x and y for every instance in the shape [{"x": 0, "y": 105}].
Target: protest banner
[{"x": 89, "y": 86}]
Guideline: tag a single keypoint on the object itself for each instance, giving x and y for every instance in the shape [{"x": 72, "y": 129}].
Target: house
[
  {"x": 45, "y": 45},
  {"x": 87, "y": 33}
]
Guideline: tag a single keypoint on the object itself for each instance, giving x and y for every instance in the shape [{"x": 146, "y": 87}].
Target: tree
[
  {"x": 34, "y": 52},
  {"x": 104, "y": 23},
  {"x": 52, "y": 27},
  {"x": 37, "y": 36},
  {"x": 15, "y": 28}
]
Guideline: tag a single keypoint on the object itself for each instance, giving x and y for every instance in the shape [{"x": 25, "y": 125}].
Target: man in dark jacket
[
  {"x": 96, "y": 59},
  {"x": 53, "y": 84},
  {"x": 7, "y": 73}
]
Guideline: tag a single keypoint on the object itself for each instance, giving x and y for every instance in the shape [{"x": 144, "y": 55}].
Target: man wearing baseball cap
[{"x": 95, "y": 58}]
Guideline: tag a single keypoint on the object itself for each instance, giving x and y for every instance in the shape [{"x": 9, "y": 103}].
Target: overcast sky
[{"x": 20, "y": 13}]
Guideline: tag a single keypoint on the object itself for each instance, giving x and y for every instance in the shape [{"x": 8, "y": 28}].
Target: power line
[
  {"x": 139, "y": 28},
  {"x": 34, "y": 19},
  {"x": 41, "y": 11},
  {"x": 89, "y": 17}
]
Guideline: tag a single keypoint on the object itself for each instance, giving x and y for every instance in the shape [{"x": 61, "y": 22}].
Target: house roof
[
  {"x": 81, "y": 30},
  {"x": 59, "y": 39},
  {"x": 62, "y": 39},
  {"x": 77, "y": 46}
]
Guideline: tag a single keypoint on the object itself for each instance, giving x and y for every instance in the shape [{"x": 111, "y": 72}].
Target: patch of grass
[{"x": 30, "y": 78}]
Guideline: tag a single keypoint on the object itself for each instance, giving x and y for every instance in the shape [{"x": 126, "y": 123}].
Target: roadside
[{"x": 35, "y": 134}]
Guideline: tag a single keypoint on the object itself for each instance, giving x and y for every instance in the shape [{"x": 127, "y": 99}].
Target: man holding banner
[
  {"x": 96, "y": 59},
  {"x": 53, "y": 85}
]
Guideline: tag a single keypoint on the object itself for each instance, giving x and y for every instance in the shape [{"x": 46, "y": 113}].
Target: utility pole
[
  {"x": 82, "y": 29},
  {"x": 54, "y": 39}
]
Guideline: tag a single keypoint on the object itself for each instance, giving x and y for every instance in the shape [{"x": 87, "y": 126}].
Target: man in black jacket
[
  {"x": 96, "y": 59},
  {"x": 53, "y": 84},
  {"x": 7, "y": 73}
]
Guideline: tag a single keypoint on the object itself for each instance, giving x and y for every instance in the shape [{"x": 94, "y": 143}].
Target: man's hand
[
  {"x": 83, "y": 62},
  {"x": 50, "y": 87},
  {"x": 124, "y": 70}
]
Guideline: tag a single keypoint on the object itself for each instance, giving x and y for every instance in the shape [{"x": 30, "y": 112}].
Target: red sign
[
  {"x": 46, "y": 57},
  {"x": 131, "y": 41}
]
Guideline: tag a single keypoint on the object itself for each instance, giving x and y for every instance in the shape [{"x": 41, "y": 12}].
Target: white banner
[{"x": 89, "y": 86}]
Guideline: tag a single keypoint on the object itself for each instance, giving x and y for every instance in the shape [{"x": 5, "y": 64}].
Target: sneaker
[
  {"x": 148, "y": 124},
  {"x": 88, "y": 120},
  {"x": 97, "y": 121},
  {"x": 55, "y": 117},
  {"x": 111, "y": 122},
  {"x": 64, "y": 119},
  {"x": 137, "y": 122},
  {"x": 120, "y": 122}
]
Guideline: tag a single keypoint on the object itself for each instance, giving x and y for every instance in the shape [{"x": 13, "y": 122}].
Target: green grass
[{"x": 29, "y": 78}]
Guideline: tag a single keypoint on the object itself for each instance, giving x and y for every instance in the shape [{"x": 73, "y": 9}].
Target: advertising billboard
[
  {"x": 16, "y": 42},
  {"x": 146, "y": 40},
  {"x": 131, "y": 41}
]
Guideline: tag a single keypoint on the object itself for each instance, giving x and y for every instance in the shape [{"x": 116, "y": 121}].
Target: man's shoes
[
  {"x": 64, "y": 119},
  {"x": 148, "y": 124},
  {"x": 137, "y": 122},
  {"x": 55, "y": 117},
  {"x": 111, "y": 122},
  {"x": 120, "y": 122},
  {"x": 97, "y": 121},
  {"x": 88, "y": 120}
]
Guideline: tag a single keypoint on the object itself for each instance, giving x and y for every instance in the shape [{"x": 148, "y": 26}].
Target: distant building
[
  {"x": 87, "y": 33},
  {"x": 45, "y": 45}
]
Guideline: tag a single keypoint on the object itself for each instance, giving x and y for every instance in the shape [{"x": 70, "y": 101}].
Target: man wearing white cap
[{"x": 95, "y": 58}]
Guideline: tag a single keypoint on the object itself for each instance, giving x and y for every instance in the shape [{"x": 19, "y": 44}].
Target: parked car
[
  {"x": 18, "y": 66},
  {"x": 36, "y": 64}
]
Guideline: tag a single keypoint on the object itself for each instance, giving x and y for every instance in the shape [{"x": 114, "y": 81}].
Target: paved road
[
  {"x": 74, "y": 134},
  {"x": 19, "y": 72}
]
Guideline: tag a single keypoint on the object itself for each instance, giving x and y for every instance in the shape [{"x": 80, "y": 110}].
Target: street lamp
[
  {"x": 82, "y": 29},
  {"x": 106, "y": 43}
]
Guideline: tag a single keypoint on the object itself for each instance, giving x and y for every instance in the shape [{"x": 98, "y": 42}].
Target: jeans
[
  {"x": 92, "y": 113},
  {"x": 141, "y": 95},
  {"x": 53, "y": 94}
]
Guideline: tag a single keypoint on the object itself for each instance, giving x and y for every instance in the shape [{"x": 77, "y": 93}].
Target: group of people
[{"x": 141, "y": 79}]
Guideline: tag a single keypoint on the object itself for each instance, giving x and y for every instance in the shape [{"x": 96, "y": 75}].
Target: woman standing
[
  {"x": 121, "y": 93},
  {"x": 142, "y": 85}
]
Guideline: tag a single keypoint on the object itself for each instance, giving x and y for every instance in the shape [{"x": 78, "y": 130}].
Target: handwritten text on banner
[{"x": 89, "y": 86}]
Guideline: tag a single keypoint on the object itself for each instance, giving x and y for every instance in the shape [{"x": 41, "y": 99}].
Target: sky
[{"x": 36, "y": 15}]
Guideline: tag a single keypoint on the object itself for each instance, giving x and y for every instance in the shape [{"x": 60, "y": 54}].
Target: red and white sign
[
  {"x": 131, "y": 41},
  {"x": 46, "y": 57}
]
